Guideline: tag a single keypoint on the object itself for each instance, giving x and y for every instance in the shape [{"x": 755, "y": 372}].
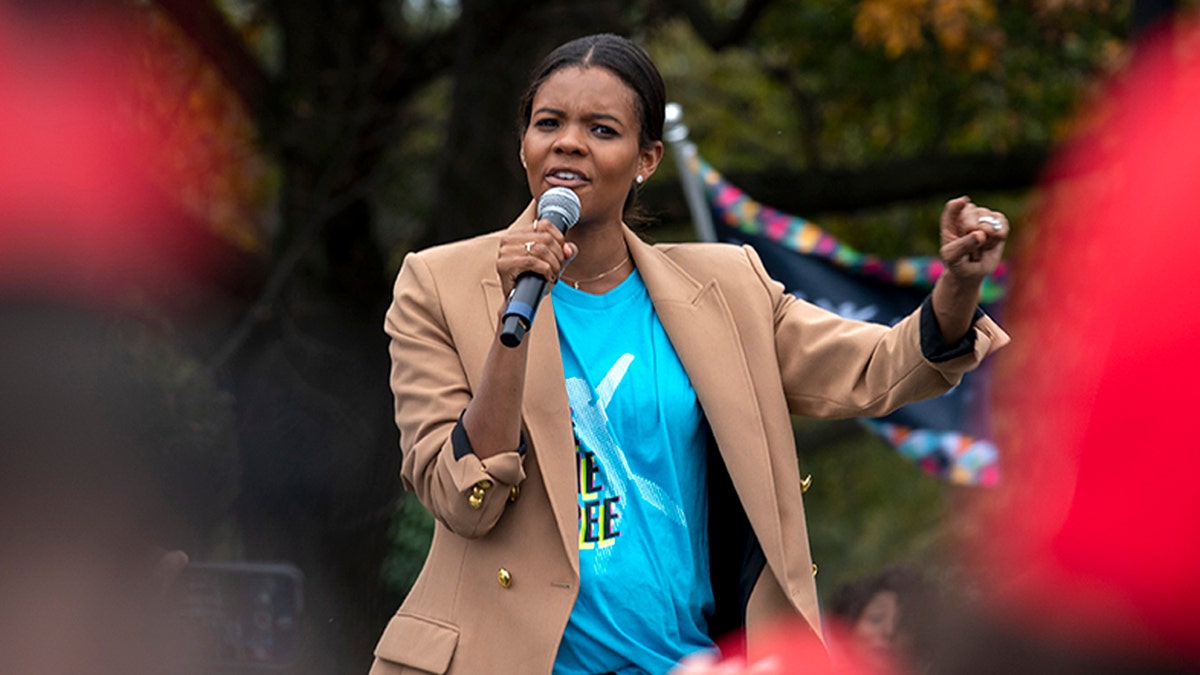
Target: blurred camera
[{"x": 234, "y": 617}]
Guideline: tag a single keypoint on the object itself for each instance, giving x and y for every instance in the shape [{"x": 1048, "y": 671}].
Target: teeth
[{"x": 566, "y": 175}]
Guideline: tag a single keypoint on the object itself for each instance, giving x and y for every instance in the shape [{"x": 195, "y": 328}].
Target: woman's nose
[{"x": 572, "y": 139}]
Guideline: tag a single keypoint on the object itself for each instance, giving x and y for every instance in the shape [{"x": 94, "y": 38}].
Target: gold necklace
[{"x": 575, "y": 283}]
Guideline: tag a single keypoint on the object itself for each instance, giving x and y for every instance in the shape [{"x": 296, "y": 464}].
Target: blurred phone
[{"x": 240, "y": 616}]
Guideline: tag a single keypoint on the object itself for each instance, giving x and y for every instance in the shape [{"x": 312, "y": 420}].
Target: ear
[
  {"x": 521, "y": 154},
  {"x": 648, "y": 159}
]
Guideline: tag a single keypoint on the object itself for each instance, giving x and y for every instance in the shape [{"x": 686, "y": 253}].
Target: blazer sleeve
[
  {"x": 431, "y": 389},
  {"x": 836, "y": 367}
]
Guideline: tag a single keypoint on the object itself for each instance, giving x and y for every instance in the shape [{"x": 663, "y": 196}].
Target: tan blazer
[{"x": 503, "y": 571}]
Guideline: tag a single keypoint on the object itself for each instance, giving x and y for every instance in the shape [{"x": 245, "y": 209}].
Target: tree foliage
[
  {"x": 835, "y": 107},
  {"x": 813, "y": 106}
]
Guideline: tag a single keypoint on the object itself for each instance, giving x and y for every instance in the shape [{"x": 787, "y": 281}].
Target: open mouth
[{"x": 565, "y": 177}]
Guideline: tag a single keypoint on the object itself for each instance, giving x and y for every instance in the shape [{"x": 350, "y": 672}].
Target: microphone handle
[{"x": 522, "y": 305}]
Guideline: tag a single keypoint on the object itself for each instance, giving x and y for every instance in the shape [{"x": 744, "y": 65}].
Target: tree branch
[
  {"x": 808, "y": 192},
  {"x": 715, "y": 34}
]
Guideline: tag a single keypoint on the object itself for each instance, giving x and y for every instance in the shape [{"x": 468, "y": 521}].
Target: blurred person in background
[
  {"x": 83, "y": 515},
  {"x": 95, "y": 487},
  {"x": 872, "y": 619}
]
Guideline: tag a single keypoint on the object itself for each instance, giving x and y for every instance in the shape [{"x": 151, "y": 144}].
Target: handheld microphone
[{"x": 560, "y": 206}]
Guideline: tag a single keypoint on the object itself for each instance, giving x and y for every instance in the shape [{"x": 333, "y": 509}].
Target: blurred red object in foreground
[
  {"x": 1095, "y": 539},
  {"x": 78, "y": 217},
  {"x": 785, "y": 648}
]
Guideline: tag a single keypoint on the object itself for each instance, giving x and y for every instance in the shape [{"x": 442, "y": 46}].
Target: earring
[{"x": 639, "y": 179}]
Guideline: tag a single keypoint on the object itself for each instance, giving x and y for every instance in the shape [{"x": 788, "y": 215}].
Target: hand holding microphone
[{"x": 560, "y": 206}]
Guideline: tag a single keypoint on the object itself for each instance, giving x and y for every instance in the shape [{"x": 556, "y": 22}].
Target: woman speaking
[{"x": 622, "y": 488}]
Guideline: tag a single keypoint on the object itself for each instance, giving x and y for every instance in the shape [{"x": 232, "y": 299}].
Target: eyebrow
[{"x": 589, "y": 116}]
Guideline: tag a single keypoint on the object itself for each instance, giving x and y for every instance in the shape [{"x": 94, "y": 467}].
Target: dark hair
[
  {"x": 849, "y": 600},
  {"x": 625, "y": 59}
]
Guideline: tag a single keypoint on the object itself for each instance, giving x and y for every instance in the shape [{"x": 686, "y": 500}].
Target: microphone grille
[{"x": 563, "y": 201}]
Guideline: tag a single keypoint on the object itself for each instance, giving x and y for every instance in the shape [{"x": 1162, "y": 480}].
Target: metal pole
[{"x": 676, "y": 134}]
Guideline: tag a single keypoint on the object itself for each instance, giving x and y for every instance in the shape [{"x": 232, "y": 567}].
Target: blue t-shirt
[{"x": 640, "y": 457}]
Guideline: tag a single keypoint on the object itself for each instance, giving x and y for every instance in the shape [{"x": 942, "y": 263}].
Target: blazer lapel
[
  {"x": 696, "y": 317},
  {"x": 547, "y": 421}
]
